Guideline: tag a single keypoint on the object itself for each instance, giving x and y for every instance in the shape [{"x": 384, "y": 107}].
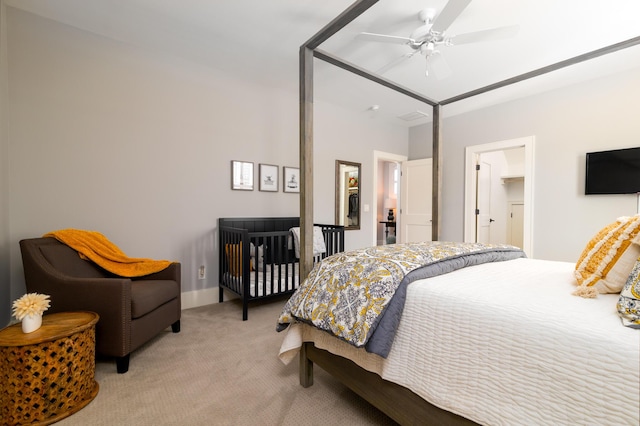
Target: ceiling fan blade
[
  {"x": 395, "y": 62},
  {"x": 437, "y": 65},
  {"x": 485, "y": 35},
  {"x": 448, "y": 15},
  {"x": 384, "y": 38}
]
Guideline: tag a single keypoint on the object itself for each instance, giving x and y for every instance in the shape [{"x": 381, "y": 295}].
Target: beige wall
[
  {"x": 5, "y": 287},
  {"x": 137, "y": 145}
]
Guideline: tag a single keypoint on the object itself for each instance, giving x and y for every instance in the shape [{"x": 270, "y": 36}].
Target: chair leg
[
  {"x": 122, "y": 364},
  {"x": 175, "y": 327}
]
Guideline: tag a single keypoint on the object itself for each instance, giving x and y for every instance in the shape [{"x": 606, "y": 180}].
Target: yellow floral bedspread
[{"x": 346, "y": 293}]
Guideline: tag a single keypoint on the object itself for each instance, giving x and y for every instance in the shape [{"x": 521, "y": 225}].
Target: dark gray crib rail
[{"x": 279, "y": 269}]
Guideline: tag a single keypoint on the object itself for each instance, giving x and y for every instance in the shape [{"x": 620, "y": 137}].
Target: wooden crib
[{"x": 257, "y": 257}]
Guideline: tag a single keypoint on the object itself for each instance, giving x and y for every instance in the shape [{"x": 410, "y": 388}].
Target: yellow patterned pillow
[{"x": 608, "y": 258}]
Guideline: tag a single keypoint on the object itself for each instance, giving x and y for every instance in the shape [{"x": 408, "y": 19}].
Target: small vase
[{"x": 31, "y": 323}]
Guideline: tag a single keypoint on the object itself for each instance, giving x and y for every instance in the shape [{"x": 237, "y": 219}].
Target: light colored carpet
[{"x": 220, "y": 370}]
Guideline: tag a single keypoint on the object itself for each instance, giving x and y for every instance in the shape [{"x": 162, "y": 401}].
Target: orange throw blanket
[{"x": 96, "y": 247}]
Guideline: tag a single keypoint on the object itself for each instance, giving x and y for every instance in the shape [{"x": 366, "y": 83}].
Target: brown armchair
[{"x": 132, "y": 310}]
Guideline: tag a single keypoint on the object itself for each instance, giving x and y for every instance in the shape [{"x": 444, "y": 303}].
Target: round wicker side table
[{"x": 48, "y": 374}]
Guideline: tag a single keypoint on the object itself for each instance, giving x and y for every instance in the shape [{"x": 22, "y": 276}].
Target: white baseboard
[{"x": 196, "y": 298}]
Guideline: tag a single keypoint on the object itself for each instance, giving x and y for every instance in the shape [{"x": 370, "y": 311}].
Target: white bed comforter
[{"x": 507, "y": 344}]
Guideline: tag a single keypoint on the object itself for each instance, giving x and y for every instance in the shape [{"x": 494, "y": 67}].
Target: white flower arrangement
[{"x": 30, "y": 304}]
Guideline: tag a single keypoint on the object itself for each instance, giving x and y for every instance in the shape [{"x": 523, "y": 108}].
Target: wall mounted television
[{"x": 613, "y": 172}]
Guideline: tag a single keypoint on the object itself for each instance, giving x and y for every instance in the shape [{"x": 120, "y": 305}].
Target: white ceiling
[{"x": 260, "y": 40}]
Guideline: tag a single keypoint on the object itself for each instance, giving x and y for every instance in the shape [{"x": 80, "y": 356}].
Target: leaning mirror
[{"x": 348, "y": 188}]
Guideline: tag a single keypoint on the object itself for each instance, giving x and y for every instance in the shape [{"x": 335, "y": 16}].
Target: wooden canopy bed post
[
  {"x": 306, "y": 161},
  {"x": 436, "y": 192},
  {"x": 307, "y": 52}
]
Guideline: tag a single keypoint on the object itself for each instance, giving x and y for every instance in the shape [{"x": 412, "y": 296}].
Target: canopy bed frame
[{"x": 396, "y": 401}]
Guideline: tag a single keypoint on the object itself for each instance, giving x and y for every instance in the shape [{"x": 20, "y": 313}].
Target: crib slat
[{"x": 278, "y": 272}]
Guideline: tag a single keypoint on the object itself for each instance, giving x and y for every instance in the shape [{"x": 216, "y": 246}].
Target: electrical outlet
[{"x": 202, "y": 273}]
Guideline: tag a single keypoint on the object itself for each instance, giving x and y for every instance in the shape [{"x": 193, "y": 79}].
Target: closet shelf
[{"x": 511, "y": 178}]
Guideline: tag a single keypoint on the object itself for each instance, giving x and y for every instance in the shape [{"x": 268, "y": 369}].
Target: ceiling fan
[{"x": 426, "y": 39}]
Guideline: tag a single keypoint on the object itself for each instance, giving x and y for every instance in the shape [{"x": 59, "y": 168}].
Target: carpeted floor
[{"x": 220, "y": 370}]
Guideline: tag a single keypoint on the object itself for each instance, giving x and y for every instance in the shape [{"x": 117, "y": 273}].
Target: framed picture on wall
[
  {"x": 291, "y": 181},
  {"x": 242, "y": 175},
  {"x": 268, "y": 178}
]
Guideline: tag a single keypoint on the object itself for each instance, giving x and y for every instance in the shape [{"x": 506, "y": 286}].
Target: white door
[
  {"x": 415, "y": 201},
  {"x": 515, "y": 220},
  {"x": 483, "y": 207}
]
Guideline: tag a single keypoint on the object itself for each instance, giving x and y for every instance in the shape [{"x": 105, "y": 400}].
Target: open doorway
[
  {"x": 500, "y": 189},
  {"x": 499, "y": 193},
  {"x": 386, "y": 193}
]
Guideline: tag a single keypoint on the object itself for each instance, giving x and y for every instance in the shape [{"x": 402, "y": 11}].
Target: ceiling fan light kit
[{"x": 428, "y": 37}]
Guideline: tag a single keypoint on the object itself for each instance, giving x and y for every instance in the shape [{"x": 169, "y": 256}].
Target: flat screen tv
[{"x": 613, "y": 172}]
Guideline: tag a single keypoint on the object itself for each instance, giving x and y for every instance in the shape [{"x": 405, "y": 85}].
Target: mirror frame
[{"x": 339, "y": 194}]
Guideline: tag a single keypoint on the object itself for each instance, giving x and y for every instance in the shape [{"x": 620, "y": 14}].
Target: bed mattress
[{"x": 508, "y": 344}]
